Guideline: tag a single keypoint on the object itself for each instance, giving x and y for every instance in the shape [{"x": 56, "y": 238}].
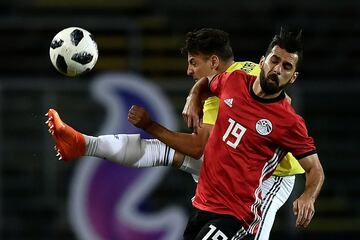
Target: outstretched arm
[
  {"x": 304, "y": 205},
  {"x": 188, "y": 144}
]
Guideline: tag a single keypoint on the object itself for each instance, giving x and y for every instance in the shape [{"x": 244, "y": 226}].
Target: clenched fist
[{"x": 139, "y": 117}]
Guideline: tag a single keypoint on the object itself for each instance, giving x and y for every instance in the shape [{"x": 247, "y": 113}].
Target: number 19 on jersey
[{"x": 236, "y": 130}]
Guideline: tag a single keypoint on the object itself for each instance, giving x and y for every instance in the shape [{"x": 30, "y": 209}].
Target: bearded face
[
  {"x": 278, "y": 69},
  {"x": 270, "y": 84}
]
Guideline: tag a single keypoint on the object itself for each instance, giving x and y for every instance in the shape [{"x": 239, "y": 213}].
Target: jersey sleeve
[
  {"x": 298, "y": 142},
  {"x": 211, "y": 107}
]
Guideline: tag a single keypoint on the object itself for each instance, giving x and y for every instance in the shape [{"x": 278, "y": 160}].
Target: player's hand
[
  {"x": 139, "y": 117},
  {"x": 304, "y": 210},
  {"x": 192, "y": 112}
]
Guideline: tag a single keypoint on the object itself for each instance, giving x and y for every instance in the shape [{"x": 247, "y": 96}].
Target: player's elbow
[
  {"x": 197, "y": 155},
  {"x": 196, "y": 152},
  {"x": 317, "y": 170},
  {"x": 322, "y": 174},
  {"x": 195, "y": 147},
  {"x": 317, "y": 167}
]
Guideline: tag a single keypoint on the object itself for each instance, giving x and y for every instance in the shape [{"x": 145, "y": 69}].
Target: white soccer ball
[{"x": 73, "y": 51}]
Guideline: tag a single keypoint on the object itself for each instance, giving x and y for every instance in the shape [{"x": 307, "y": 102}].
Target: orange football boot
[{"x": 69, "y": 143}]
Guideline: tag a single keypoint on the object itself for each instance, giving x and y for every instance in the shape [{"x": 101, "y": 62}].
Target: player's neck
[
  {"x": 225, "y": 65},
  {"x": 259, "y": 91}
]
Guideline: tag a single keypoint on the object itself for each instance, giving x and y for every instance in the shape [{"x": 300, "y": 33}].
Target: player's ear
[
  {"x": 294, "y": 77},
  {"x": 214, "y": 61},
  {"x": 261, "y": 63}
]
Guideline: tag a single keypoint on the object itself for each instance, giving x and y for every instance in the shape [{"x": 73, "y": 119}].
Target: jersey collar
[{"x": 265, "y": 100}]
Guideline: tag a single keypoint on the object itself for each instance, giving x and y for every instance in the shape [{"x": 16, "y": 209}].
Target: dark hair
[
  {"x": 289, "y": 41},
  {"x": 208, "y": 41}
]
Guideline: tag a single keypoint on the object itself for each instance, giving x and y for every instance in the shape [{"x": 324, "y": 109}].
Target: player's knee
[
  {"x": 134, "y": 150},
  {"x": 124, "y": 149}
]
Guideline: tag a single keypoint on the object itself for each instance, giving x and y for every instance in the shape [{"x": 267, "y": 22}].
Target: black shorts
[{"x": 206, "y": 225}]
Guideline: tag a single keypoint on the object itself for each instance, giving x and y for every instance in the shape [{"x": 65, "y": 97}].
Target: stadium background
[{"x": 144, "y": 36}]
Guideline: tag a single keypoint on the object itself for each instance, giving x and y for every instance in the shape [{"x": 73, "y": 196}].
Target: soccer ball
[{"x": 73, "y": 51}]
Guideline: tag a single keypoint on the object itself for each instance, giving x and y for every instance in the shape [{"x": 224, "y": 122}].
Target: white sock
[
  {"x": 130, "y": 150},
  {"x": 192, "y": 166}
]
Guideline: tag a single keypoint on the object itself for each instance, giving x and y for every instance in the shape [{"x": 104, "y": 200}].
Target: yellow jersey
[{"x": 289, "y": 165}]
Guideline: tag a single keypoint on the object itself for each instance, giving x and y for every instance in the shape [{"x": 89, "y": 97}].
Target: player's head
[
  {"x": 279, "y": 66},
  {"x": 206, "y": 49}
]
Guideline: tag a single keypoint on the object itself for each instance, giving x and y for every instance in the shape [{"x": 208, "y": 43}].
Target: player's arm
[
  {"x": 304, "y": 205},
  {"x": 193, "y": 108},
  {"x": 188, "y": 144}
]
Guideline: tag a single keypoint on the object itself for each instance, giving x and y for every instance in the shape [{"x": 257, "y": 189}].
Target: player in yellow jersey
[{"x": 183, "y": 149}]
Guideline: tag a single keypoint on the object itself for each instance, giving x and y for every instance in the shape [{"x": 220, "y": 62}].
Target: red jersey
[{"x": 249, "y": 138}]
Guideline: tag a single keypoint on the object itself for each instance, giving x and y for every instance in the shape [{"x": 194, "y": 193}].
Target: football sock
[
  {"x": 191, "y": 165},
  {"x": 129, "y": 150}
]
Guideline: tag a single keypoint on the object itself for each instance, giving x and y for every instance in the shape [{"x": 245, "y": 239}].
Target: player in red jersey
[
  {"x": 229, "y": 101},
  {"x": 255, "y": 127}
]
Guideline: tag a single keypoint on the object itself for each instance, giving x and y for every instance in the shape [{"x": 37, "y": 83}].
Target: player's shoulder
[
  {"x": 248, "y": 67},
  {"x": 236, "y": 73},
  {"x": 291, "y": 115},
  {"x": 235, "y": 77},
  {"x": 238, "y": 77}
]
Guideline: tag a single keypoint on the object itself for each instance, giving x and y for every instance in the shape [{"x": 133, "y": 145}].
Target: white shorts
[{"x": 275, "y": 192}]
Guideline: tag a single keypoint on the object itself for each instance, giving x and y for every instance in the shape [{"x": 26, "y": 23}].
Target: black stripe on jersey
[
  {"x": 269, "y": 200},
  {"x": 298, "y": 157},
  {"x": 166, "y": 156},
  {"x": 268, "y": 169},
  {"x": 272, "y": 164},
  {"x": 240, "y": 234}
]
